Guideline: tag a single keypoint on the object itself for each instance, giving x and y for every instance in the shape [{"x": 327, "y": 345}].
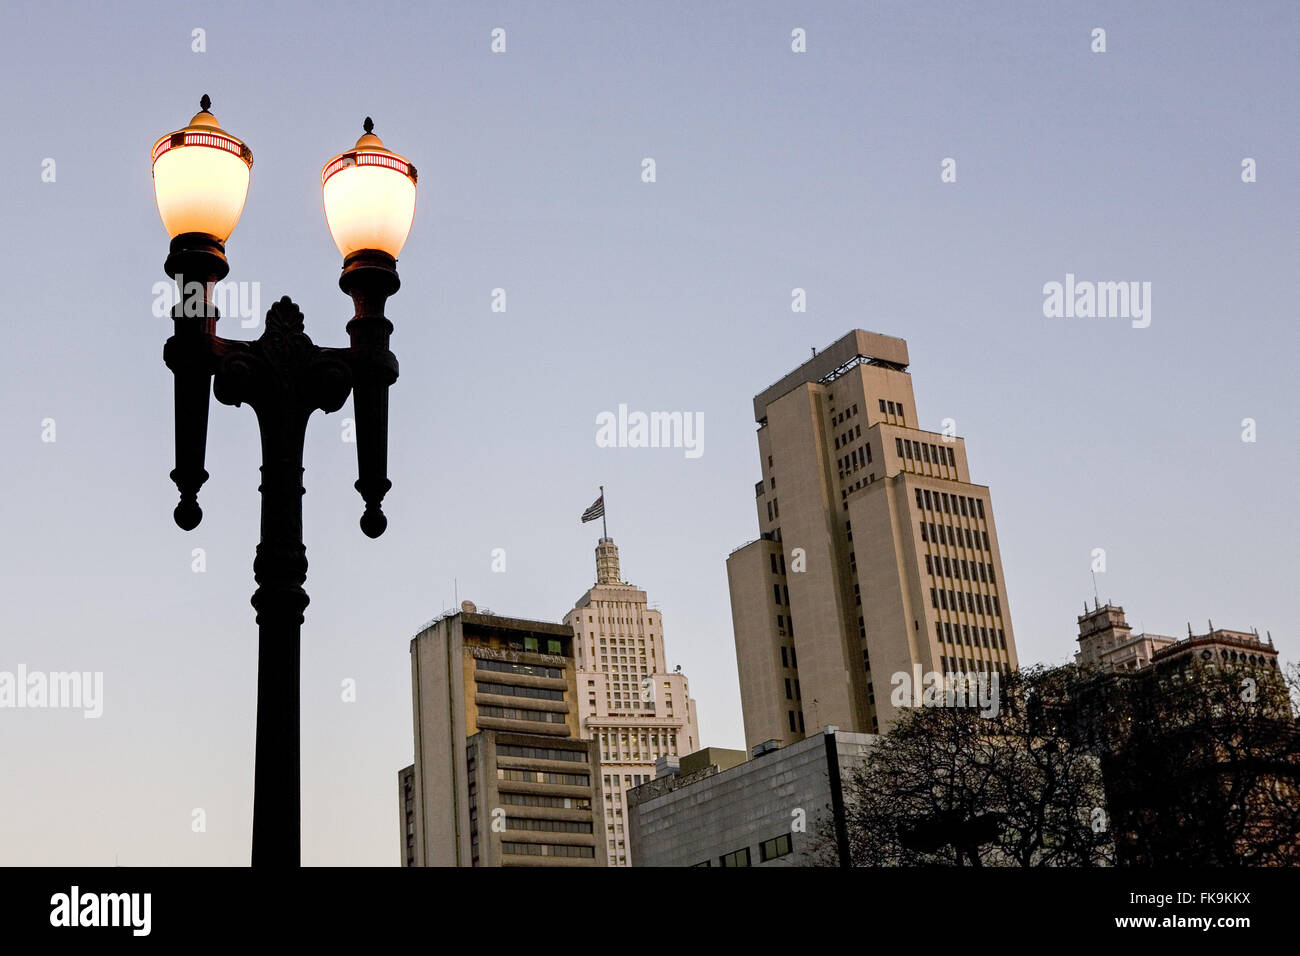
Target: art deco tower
[
  {"x": 876, "y": 553},
  {"x": 627, "y": 700}
]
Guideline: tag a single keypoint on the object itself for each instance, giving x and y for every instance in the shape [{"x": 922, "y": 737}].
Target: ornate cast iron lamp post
[{"x": 201, "y": 176}]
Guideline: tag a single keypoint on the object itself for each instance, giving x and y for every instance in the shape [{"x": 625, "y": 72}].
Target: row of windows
[
  {"x": 789, "y": 660},
  {"x": 890, "y": 408},
  {"x": 778, "y": 590},
  {"x": 541, "y": 753},
  {"x": 517, "y": 713},
  {"x": 784, "y": 625},
  {"x": 992, "y": 638},
  {"x": 546, "y": 849},
  {"x": 847, "y": 413},
  {"x": 544, "y": 776},
  {"x": 791, "y": 715},
  {"x": 848, "y": 436},
  {"x": 959, "y": 568},
  {"x": 514, "y": 690},
  {"x": 615, "y": 747},
  {"x": 767, "y": 850},
  {"x": 965, "y": 601},
  {"x": 965, "y": 665},
  {"x": 629, "y": 780},
  {"x": 533, "y": 800},
  {"x": 949, "y": 504},
  {"x": 955, "y": 537},
  {"x": 773, "y": 510},
  {"x": 773, "y": 556},
  {"x": 860, "y": 483},
  {"x": 924, "y": 451},
  {"x": 792, "y": 692},
  {"x": 548, "y": 826},
  {"x": 859, "y": 458},
  {"x": 552, "y": 645},
  {"x": 532, "y": 670}
]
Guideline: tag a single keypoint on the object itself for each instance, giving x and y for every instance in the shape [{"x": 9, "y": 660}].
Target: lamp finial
[
  {"x": 368, "y": 125},
  {"x": 205, "y": 103}
]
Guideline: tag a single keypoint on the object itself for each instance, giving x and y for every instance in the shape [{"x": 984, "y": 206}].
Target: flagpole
[{"x": 604, "y": 530}]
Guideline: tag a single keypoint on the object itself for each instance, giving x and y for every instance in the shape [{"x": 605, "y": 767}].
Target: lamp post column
[
  {"x": 284, "y": 377},
  {"x": 280, "y": 570}
]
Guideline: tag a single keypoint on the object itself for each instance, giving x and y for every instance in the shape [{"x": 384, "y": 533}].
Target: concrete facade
[
  {"x": 876, "y": 552},
  {"x": 501, "y": 776},
  {"x": 784, "y": 808}
]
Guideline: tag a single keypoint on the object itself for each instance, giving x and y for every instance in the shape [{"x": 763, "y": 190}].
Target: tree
[
  {"x": 1201, "y": 762},
  {"x": 947, "y": 786}
]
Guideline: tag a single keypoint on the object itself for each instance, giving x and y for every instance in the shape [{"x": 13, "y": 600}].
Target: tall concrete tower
[{"x": 876, "y": 552}]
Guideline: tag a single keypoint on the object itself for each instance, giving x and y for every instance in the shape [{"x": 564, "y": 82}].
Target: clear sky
[{"x": 775, "y": 170}]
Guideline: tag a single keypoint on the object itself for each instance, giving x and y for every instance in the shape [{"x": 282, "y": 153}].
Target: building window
[
  {"x": 774, "y": 848},
  {"x": 738, "y": 858}
]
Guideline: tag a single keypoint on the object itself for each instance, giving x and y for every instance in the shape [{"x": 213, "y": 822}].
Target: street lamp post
[{"x": 201, "y": 175}]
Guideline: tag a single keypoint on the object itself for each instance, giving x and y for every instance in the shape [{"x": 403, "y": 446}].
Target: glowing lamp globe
[
  {"x": 200, "y": 177},
  {"x": 369, "y": 195}
]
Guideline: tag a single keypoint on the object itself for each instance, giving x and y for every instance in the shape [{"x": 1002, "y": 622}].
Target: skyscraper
[
  {"x": 628, "y": 702},
  {"x": 877, "y": 555},
  {"x": 501, "y": 777}
]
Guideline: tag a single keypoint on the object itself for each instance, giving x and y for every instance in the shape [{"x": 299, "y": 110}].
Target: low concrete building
[{"x": 782, "y": 807}]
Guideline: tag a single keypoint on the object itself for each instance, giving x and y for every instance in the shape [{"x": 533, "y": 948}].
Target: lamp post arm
[{"x": 370, "y": 277}]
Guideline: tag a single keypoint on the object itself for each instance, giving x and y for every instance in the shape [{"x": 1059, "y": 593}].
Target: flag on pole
[{"x": 597, "y": 510}]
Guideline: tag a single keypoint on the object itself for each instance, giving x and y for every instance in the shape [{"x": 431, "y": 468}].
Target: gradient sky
[{"x": 775, "y": 170}]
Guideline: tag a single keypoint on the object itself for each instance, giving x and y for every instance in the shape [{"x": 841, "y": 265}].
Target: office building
[
  {"x": 1106, "y": 642},
  {"x": 629, "y": 702},
  {"x": 876, "y": 552},
  {"x": 501, "y": 775}
]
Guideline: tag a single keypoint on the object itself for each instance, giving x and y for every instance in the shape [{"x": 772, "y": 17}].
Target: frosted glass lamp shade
[
  {"x": 369, "y": 195},
  {"x": 200, "y": 178}
]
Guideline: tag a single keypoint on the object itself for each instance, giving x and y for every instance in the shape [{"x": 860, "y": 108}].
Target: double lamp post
[{"x": 201, "y": 175}]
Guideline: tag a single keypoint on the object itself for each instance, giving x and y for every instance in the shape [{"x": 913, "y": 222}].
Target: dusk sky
[{"x": 775, "y": 170}]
